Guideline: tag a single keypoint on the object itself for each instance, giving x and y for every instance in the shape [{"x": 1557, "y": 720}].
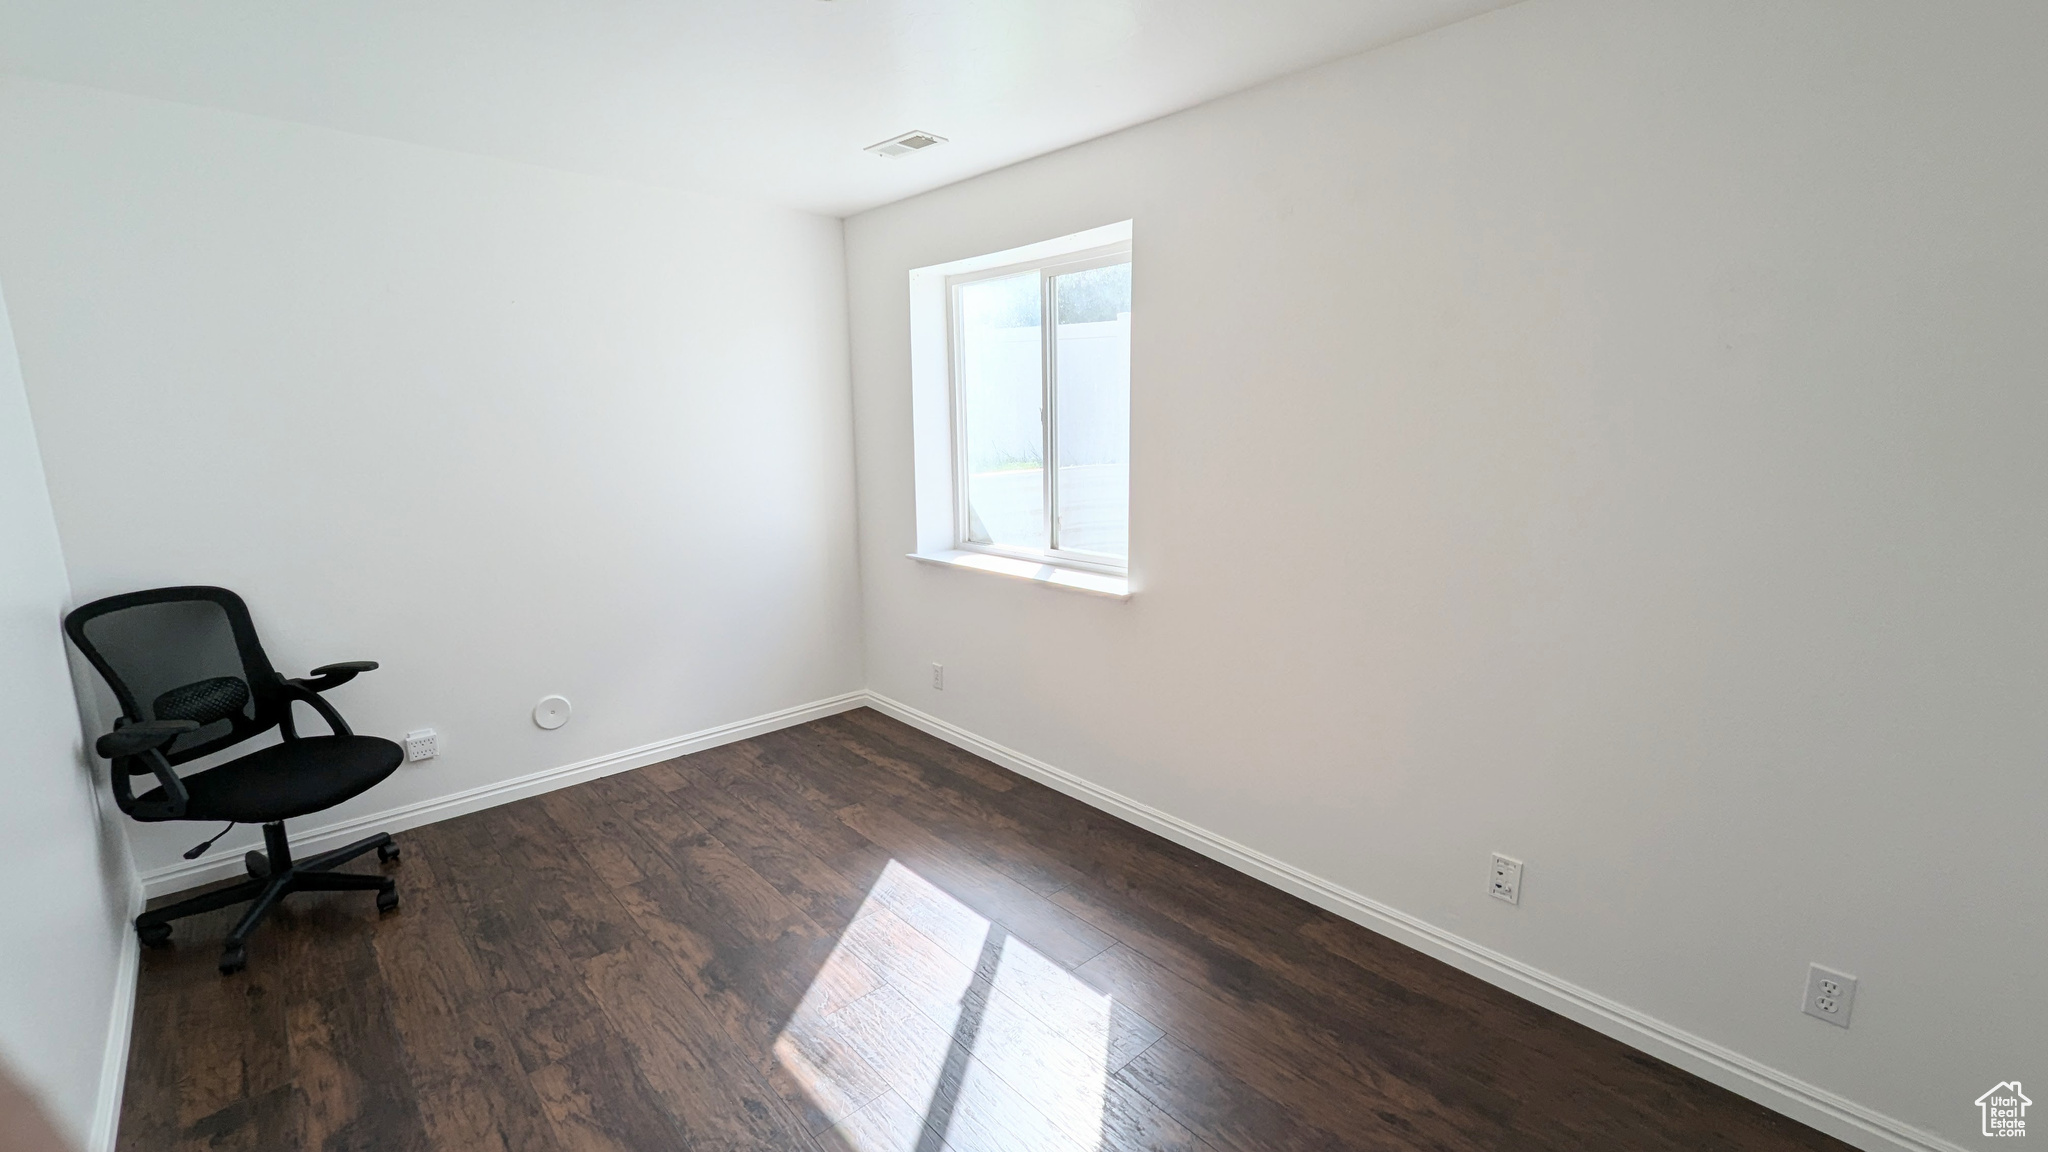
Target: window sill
[{"x": 1049, "y": 575}]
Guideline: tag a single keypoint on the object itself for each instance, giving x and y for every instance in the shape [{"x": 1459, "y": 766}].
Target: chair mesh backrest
[{"x": 181, "y": 654}]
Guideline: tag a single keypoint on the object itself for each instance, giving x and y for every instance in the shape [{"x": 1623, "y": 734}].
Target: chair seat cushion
[{"x": 289, "y": 779}]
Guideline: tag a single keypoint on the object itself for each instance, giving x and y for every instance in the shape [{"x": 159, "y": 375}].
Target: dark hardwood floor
[{"x": 850, "y": 936}]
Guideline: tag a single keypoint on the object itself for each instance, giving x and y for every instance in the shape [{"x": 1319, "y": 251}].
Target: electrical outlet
[
  {"x": 1507, "y": 879},
  {"x": 939, "y": 677},
  {"x": 422, "y": 745},
  {"x": 1829, "y": 995}
]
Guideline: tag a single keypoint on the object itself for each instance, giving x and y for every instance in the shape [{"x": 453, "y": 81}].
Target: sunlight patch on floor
[{"x": 927, "y": 1020}]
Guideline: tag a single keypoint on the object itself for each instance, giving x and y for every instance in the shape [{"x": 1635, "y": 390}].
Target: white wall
[
  {"x": 66, "y": 882},
  {"x": 507, "y": 430},
  {"x": 1605, "y": 433}
]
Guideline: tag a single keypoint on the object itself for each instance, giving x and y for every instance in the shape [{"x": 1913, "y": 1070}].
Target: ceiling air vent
[{"x": 905, "y": 144}]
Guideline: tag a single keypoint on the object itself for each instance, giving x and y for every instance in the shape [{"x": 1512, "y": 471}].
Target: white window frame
[{"x": 1047, "y": 271}]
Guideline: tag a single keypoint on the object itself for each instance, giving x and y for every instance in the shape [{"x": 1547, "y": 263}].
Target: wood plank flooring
[{"x": 850, "y": 937}]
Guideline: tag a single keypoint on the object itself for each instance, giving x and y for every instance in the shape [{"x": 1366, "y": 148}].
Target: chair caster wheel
[
  {"x": 233, "y": 960},
  {"x": 257, "y": 864},
  {"x": 386, "y": 853},
  {"x": 387, "y": 900},
  {"x": 154, "y": 935}
]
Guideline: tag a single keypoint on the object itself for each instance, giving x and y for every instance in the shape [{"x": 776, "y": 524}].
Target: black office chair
[{"x": 191, "y": 679}]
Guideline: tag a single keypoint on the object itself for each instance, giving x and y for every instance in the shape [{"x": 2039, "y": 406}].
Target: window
[
  {"x": 1020, "y": 412},
  {"x": 1041, "y": 407}
]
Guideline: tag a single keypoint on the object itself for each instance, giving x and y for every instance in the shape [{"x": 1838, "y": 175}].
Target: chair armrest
[
  {"x": 334, "y": 675},
  {"x": 145, "y": 742},
  {"x": 135, "y": 739},
  {"x": 309, "y": 693}
]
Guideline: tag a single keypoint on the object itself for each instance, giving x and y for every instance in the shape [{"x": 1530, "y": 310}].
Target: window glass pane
[
  {"x": 1093, "y": 346},
  {"x": 1001, "y": 394}
]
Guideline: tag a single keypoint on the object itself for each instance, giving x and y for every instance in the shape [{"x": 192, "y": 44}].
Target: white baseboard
[
  {"x": 1816, "y": 1107},
  {"x": 182, "y": 875},
  {"x": 106, "y": 1110}
]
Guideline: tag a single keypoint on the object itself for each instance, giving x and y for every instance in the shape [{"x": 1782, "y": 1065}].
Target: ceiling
[{"x": 763, "y": 99}]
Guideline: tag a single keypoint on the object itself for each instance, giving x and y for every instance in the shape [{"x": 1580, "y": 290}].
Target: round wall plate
[{"x": 552, "y": 711}]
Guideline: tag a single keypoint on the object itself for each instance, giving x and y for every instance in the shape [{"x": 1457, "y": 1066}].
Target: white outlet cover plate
[
  {"x": 1505, "y": 882},
  {"x": 424, "y": 744},
  {"x": 1829, "y": 995},
  {"x": 552, "y": 712}
]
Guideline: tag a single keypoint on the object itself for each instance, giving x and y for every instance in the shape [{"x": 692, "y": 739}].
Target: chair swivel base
[{"x": 272, "y": 876}]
